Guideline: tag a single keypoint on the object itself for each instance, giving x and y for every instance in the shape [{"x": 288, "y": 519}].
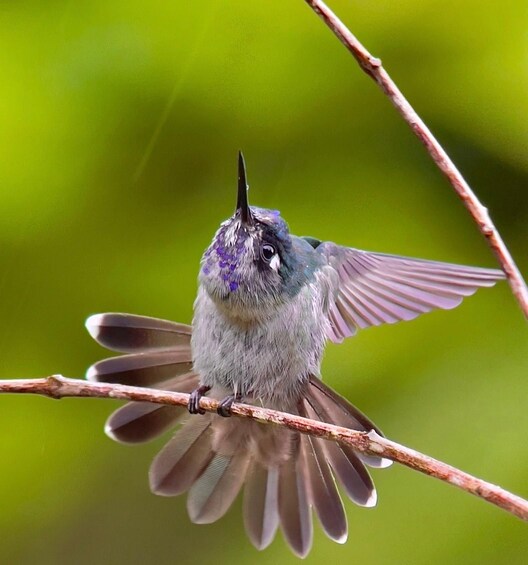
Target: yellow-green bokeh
[{"x": 97, "y": 215}]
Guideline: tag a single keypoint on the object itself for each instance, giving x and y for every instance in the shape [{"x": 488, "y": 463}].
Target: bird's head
[{"x": 250, "y": 264}]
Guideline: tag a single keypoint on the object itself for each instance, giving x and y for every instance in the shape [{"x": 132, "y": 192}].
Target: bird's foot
[
  {"x": 224, "y": 408},
  {"x": 194, "y": 400}
]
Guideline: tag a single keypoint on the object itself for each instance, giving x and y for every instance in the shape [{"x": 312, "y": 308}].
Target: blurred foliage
[{"x": 120, "y": 127}]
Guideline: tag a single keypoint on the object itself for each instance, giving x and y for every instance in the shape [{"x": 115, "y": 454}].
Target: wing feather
[{"x": 375, "y": 288}]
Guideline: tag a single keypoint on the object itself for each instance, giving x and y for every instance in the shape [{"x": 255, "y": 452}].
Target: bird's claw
[
  {"x": 194, "y": 399},
  {"x": 224, "y": 408}
]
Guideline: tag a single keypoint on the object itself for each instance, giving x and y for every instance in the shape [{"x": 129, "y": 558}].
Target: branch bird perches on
[{"x": 369, "y": 443}]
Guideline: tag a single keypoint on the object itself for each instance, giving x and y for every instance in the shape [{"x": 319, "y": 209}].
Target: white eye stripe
[{"x": 275, "y": 262}]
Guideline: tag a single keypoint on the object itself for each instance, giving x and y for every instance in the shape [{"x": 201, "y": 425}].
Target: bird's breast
[{"x": 268, "y": 360}]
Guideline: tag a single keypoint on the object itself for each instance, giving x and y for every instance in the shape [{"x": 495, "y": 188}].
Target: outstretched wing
[{"x": 376, "y": 289}]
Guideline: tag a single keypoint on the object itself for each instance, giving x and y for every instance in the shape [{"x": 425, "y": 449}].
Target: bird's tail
[{"x": 283, "y": 474}]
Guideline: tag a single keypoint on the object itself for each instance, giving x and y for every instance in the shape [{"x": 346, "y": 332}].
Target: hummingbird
[{"x": 267, "y": 304}]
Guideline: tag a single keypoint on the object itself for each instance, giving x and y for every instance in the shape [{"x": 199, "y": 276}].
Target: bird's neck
[{"x": 236, "y": 311}]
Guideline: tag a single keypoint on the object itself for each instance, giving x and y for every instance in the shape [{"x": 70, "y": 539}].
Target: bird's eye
[{"x": 267, "y": 252}]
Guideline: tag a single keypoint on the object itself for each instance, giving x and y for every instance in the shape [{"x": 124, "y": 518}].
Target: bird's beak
[{"x": 242, "y": 201}]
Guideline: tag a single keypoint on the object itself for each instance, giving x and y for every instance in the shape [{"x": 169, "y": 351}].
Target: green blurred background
[{"x": 120, "y": 127}]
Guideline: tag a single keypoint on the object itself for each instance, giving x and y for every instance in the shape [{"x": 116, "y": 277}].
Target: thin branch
[
  {"x": 372, "y": 66},
  {"x": 370, "y": 443}
]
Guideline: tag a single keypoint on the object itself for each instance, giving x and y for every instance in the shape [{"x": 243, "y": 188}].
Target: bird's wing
[{"x": 375, "y": 288}]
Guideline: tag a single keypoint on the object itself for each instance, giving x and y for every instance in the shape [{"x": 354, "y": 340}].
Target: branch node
[
  {"x": 486, "y": 230},
  {"x": 54, "y": 385},
  {"x": 373, "y": 444},
  {"x": 374, "y": 62}
]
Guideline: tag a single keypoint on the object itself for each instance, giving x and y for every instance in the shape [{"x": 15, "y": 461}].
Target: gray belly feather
[{"x": 268, "y": 361}]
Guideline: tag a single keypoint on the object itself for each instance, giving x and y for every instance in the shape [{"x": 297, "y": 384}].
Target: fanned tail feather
[
  {"x": 294, "y": 508},
  {"x": 215, "y": 490},
  {"x": 335, "y": 409},
  {"x": 324, "y": 495},
  {"x": 159, "y": 354},
  {"x": 183, "y": 459},
  {"x": 285, "y": 474},
  {"x": 137, "y": 422},
  {"x": 348, "y": 468},
  {"x": 142, "y": 369},
  {"x": 128, "y": 333},
  {"x": 261, "y": 513}
]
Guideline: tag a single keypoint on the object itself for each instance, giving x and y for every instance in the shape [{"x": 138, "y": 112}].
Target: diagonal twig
[
  {"x": 373, "y": 67},
  {"x": 370, "y": 443}
]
